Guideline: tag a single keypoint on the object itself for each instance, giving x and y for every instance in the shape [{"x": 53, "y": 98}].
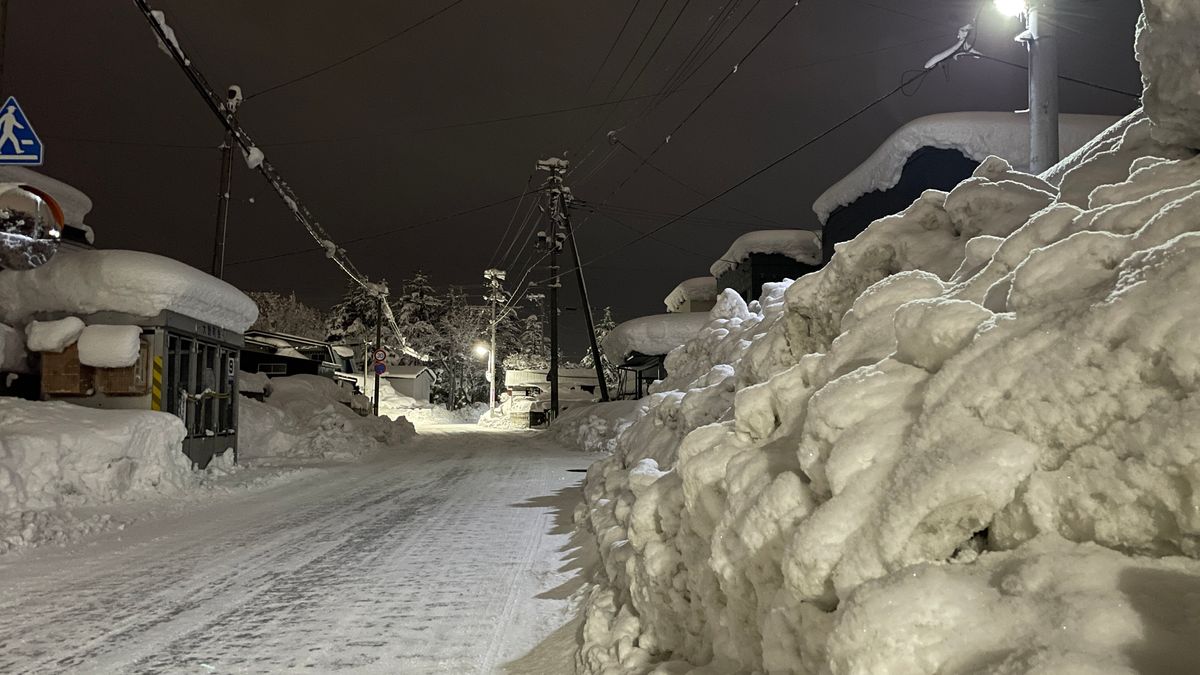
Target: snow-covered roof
[
  {"x": 408, "y": 372},
  {"x": 132, "y": 282},
  {"x": 699, "y": 288},
  {"x": 801, "y": 245},
  {"x": 569, "y": 376},
  {"x": 974, "y": 134},
  {"x": 75, "y": 204},
  {"x": 653, "y": 335}
]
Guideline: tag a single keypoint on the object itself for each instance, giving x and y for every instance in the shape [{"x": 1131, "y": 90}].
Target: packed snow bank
[
  {"x": 879, "y": 468},
  {"x": 596, "y": 427},
  {"x": 399, "y": 406},
  {"x": 310, "y": 416},
  {"x": 801, "y": 245},
  {"x": 142, "y": 284},
  {"x": 55, "y": 454},
  {"x": 699, "y": 289},
  {"x": 976, "y": 135},
  {"x": 102, "y": 346},
  {"x": 1170, "y": 61},
  {"x": 652, "y": 335}
]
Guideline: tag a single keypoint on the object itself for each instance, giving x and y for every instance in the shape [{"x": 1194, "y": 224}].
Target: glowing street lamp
[
  {"x": 1039, "y": 39},
  {"x": 481, "y": 350},
  {"x": 1013, "y": 8}
]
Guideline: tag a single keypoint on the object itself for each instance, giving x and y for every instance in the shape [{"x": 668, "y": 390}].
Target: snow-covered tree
[
  {"x": 418, "y": 309},
  {"x": 604, "y": 325},
  {"x": 460, "y": 325},
  {"x": 280, "y": 313}
]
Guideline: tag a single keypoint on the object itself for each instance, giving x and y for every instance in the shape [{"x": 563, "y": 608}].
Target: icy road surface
[{"x": 426, "y": 559}]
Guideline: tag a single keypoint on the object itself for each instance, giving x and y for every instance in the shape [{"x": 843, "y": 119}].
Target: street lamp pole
[{"x": 1043, "y": 85}]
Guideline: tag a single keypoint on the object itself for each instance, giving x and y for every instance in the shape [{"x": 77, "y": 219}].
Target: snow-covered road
[{"x": 427, "y": 559}]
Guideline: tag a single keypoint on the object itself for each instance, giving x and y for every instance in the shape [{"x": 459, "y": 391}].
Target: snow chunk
[
  {"x": 652, "y": 335},
  {"x": 161, "y": 18},
  {"x": 53, "y": 336},
  {"x": 253, "y": 383},
  {"x": 254, "y": 157},
  {"x": 975, "y": 134},
  {"x": 133, "y": 282},
  {"x": 103, "y": 346},
  {"x": 697, "y": 289},
  {"x": 801, "y": 245}
]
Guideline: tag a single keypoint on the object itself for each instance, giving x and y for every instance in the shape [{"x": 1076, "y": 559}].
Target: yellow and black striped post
[{"x": 156, "y": 385}]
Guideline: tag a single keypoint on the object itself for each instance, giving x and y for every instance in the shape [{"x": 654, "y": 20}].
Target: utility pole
[
  {"x": 1043, "y": 85},
  {"x": 233, "y": 100},
  {"x": 553, "y": 242},
  {"x": 564, "y": 200},
  {"x": 378, "y": 345},
  {"x": 495, "y": 295}
]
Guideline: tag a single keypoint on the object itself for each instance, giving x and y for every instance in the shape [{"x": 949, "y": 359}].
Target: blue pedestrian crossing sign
[{"x": 18, "y": 142}]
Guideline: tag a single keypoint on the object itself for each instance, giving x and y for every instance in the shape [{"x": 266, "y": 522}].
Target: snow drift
[
  {"x": 971, "y": 443},
  {"x": 55, "y": 455}
]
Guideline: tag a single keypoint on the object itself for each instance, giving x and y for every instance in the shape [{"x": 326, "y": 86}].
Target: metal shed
[
  {"x": 186, "y": 367},
  {"x": 415, "y": 382}
]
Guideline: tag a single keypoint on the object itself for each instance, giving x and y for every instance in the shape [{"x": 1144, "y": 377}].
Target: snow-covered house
[
  {"x": 693, "y": 295},
  {"x": 760, "y": 257},
  {"x": 933, "y": 152},
  {"x": 415, "y": 382},
  {"x": 134, "y": 330},
  {"x": 639, "y": 346}
]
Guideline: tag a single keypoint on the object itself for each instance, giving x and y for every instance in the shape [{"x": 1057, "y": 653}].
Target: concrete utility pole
[
  {"x": 378, "y": 346},
  {"x": 233, "y": 100},
  {"x": 495, "y": 295},
  {"x": 1043, "y": 85},
  {"x": 553, "y": 243},
  {"x": 1039, "y": 38}
]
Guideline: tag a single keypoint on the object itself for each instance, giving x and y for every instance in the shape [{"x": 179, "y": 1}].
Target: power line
[
  {"x": 1065, "y": 78},
  {"x": 613, "y": 46},
  {"x": 853, "y": 116},
  {"x": 356, "y": 54},
  {"x": 135, "y": 144},
  {"x": 511, "y": 220}
]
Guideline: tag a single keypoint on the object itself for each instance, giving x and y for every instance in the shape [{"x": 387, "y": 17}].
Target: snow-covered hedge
[{"x": 971, "y": 443}]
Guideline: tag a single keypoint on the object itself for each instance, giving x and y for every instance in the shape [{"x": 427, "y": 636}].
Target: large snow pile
[
  {"x": 801, "y": 245},
  {"x": 699, "y": 289},
  {"x": 976, "y": 135},
  {"x": 133, "y": 282},
  {"x": 310, "y": 416},
  {"x": 652, "y": 335},
  {"x": 56, "y": 455},
  {"x": 970, "y": 443}
]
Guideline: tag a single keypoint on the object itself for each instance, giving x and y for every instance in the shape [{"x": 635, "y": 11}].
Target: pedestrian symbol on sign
[{"x": 18, "y": 142}]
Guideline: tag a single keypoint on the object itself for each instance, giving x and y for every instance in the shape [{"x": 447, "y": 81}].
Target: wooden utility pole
[{"x": 587, "y": 306}]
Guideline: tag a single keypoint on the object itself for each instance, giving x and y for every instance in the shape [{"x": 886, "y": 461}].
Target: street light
[
  {"x": 1039, "y": 39},
  {"x": 481, "y": 350},
  {"x": 1013, "y": 8}
]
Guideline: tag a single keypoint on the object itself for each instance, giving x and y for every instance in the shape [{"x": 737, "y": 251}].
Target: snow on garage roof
[
  {"x": 974, "y": 134},
  {"x": 132, "y": 282},
  {"x": 699, "y": 288},
  {"x": 801, "y": 245},
  {"x": 653, "y": 335}
]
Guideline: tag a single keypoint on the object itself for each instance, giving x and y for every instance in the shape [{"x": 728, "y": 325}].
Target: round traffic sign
[
  {"x": 380, "y": 355},
  {"x": 380, "y": 368}
]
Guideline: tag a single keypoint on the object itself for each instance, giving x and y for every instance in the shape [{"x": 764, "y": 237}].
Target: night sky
[{"x": 391, "y": 139}]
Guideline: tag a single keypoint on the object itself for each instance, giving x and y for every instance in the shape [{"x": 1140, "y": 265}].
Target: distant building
[
  {"x": 693, "y": 295},
  {"x": 415, "y": 382},
  {"x": 935, "y": 152},
  {"x": 765, "y": 256}
]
